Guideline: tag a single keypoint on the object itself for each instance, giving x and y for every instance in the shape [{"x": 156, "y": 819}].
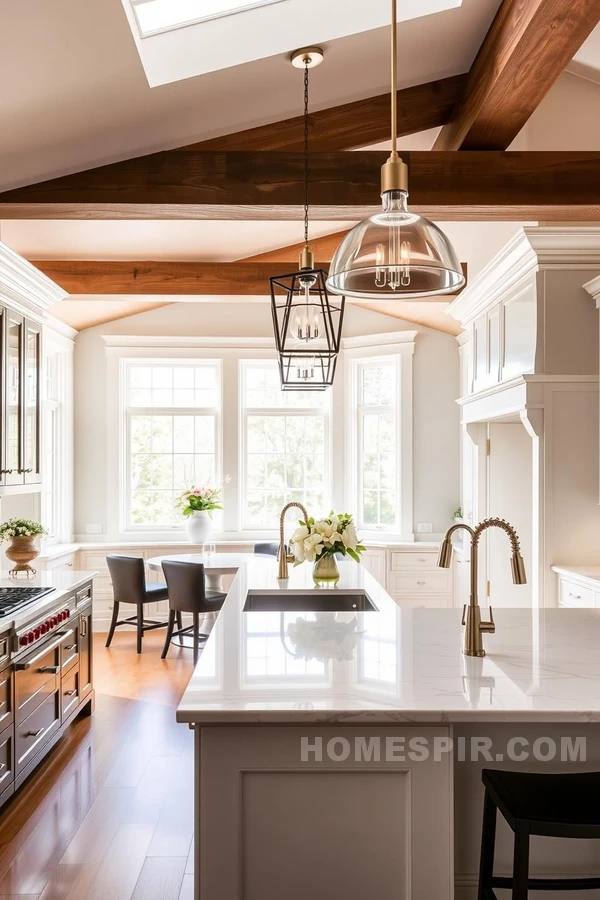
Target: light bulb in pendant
[
  {"x": 306, "y": 318},
  {"x": 306, "y": 368}
]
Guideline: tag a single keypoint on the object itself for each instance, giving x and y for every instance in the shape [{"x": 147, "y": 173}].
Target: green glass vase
[{"x": 325, "y": 570}]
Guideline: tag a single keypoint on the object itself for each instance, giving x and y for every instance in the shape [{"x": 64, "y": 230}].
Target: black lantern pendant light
[{"x": 307, "y": 323}]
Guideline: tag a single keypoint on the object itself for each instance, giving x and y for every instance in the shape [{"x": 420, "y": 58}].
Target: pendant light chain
[{"x": 306, "y": 172}]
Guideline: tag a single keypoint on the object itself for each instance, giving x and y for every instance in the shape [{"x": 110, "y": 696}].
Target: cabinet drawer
[
  {"x": 411, "y": 559},
  {"x": 36, "y": 729},
  {"x": 84, "y": 595},
  {"x": 437, "y": 582},
  {"x": 69, "y": 691},
  {"x": 34, "y": 684},
  {"x": 573, "y": 594},
  {"x": 4, "y": 648},
  {"x": 6, "y": 707},
  {"x": 7, "y": 758},
  {"x": 69, "y": 652}
]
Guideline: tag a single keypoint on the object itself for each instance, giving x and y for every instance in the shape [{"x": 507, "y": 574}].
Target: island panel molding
[{"x": 464, "y": 186}]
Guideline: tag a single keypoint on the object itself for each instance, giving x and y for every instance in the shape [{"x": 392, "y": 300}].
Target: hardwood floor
[{"x": 109, "y": 816}]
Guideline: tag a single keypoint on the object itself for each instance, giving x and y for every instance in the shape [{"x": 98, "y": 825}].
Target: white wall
[
  {"x": 436, "y": 387},
  {"x": 566, "y": 119}
]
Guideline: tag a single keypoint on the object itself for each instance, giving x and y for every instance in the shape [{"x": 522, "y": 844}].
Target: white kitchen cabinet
[
  {"x": 272, "y": 825},
  {"x": 578, "y": 587}
]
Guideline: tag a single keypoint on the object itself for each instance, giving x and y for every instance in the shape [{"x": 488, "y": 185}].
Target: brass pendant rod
[{"x": 394, "y": 101}]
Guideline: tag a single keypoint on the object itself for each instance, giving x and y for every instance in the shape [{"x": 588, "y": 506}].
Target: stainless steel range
[
  {"x": 12, "y": 599},
  {"x": 45, "y": 672}
]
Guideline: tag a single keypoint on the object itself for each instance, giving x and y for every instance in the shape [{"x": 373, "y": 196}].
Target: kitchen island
[{"x": 344, "y": 747}]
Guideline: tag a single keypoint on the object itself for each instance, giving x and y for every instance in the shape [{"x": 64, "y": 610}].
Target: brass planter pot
[{"x": 21, "y": 551}]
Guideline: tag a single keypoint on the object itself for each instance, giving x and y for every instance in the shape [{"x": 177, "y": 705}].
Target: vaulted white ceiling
[{"x": 74, "y": 93}]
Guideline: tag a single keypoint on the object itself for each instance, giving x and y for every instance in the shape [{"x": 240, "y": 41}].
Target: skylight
[{"x": 157, "y": 16}]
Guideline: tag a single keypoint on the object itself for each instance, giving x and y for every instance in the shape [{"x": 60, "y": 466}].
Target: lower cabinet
[
  {"x": 37, "y": 729},
  {"x": 348, "y": 808},
  {"x": 578, "y": 591},
  {"x": 7, "y": 761}
]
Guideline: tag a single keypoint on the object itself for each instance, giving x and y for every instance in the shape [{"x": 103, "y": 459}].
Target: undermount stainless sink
[{"x": 309, "y": 601}]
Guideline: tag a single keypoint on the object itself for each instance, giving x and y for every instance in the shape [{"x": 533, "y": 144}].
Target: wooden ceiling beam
[
  {"x": 148, "y": 278},
  {"x": 354, "y": 124},
  {"x": 155, "y": 277},
  {"x": 528, "y": 45},
  {"x": 478, "y": 185}
]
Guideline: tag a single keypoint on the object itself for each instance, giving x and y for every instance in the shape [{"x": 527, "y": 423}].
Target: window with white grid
[
  {"x": 285, "y": 446},
  {"x": 172, "y": 411},
  {"x": 377, "y": 451}
]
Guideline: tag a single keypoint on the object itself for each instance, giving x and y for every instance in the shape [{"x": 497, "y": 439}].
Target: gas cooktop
[{"x": 15, "y": 598}]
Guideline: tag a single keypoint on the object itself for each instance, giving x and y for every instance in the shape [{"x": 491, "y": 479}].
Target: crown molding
[
  {"x": 593, "y": 288},
  {"x": 192, "y": 343},
  {"x": 379, "y": 340},
  {"x": 60, "y": 328},
  {"x": 24, "y": 287},
  {"x": 532, "y": 249}
]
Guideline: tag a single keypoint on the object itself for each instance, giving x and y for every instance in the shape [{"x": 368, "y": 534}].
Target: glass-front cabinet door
[
  {"x": 32, "y": 350},
  {"x": 13, "y": 425}
]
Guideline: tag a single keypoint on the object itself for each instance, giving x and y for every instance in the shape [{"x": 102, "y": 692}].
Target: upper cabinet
[
  {"x": 21, "y": 413},
  {"x": 527, "y": 312},
  {"x": 26, "y": 294}
]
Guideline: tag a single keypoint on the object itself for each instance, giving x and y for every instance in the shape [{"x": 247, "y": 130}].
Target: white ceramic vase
[{"x": 199, "y": 527}]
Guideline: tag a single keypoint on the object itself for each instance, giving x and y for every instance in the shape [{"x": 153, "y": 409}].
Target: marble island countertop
[
  {"x": 394, "y": 664},
  {"x": 62, "y": 582}
]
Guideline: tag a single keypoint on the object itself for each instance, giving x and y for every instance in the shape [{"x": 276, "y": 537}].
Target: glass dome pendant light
[
  {"x": 307, "y": 322},
  {"x": 395, "y": 254}
]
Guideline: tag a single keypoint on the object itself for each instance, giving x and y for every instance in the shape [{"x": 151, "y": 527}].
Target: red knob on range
[
  {"x": 30, "y": 637},
  {"x": 63, "y": 615},
  {"x": 23, "y": 641},
  {"x": 67, "y": 613},
  {"x": 37, "y": 632}
]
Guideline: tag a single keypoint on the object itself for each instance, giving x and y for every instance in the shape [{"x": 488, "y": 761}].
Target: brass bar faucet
[
  {"x": 471, "y": 617},
  {"x": 284, "y": 556}
]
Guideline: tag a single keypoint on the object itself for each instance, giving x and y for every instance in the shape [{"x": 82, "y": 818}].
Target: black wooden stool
[{"x": 551, "y": 805}]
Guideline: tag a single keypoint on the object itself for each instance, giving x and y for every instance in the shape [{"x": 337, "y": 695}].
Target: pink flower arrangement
[{"x": 200, "y": 499}]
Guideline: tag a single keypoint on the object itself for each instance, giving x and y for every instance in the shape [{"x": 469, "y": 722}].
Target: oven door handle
[{"x": 31, "y": 662}]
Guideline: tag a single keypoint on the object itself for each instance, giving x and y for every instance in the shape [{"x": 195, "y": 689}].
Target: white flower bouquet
[
  {"x": 313, "y": 540},
  {"x": 20, "y": 528}
]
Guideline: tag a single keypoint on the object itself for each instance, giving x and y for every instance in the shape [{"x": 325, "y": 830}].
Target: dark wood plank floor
[{"x": 109, "y": 815}]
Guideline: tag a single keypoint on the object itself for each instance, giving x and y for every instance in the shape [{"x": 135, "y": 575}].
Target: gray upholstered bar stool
[
  {"x": 128, "y": 576},
  {"x": 269, "y": 548},
  {"x": 186, "y": 583}
]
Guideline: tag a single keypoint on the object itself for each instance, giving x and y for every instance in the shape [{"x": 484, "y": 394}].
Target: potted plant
[
  {"x": 197, "y": 505},
  {"x": 457, "y": 516},
  {"x": 320, "y": 541},
  {"x": 22, "y": 550}
]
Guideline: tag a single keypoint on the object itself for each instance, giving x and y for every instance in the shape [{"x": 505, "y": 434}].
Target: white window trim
[
  {"x": 231, "y": 351},
  {"x": 125, "y": 429},
  {"x": 400, "y": 345},
  {"x": 324, "y": 412},
  {"x": 55, "y": 344}
]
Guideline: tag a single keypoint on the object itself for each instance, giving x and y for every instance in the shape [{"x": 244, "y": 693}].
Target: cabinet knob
[
  {"x": 6, "y": 471},
  {"x": 25, "y": 471},
  {"x": 34, "y": 733}
]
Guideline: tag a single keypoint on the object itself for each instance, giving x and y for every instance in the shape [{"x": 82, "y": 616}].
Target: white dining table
[{"x": 215, "y": 564}]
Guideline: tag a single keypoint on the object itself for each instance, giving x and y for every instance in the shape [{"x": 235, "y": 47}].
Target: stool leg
[
  {"x": 140, "y": 626},
  {"x": 180, "y": 626},
  {"x": 196, "y": 636},
  {"x": 488, "y": 841},
  {"x": 521, "y": 863},
  {"x": 170, "y": 628},
  {"x": 113, "y": 623}
]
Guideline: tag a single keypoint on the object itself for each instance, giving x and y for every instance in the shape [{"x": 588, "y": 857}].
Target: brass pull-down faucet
[
  {"x": 471, "y": 617},
  {"x": 283, "y": 555}
]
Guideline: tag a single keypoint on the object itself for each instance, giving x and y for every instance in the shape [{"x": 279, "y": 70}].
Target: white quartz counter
[
  {"x": 591, "y": 573},
  {"x": 392, "y": 665},
  {"x": 62, "y": 582}
]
